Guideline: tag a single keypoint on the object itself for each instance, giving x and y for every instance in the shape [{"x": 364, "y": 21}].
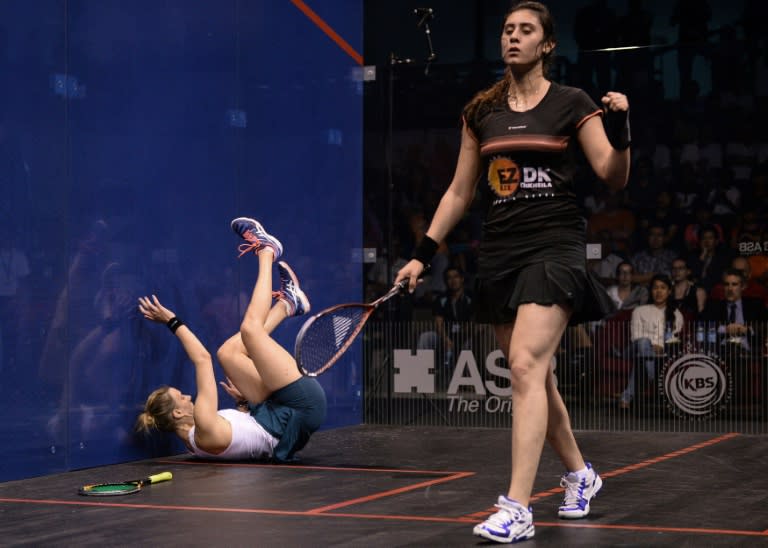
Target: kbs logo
[{"x": 695, "y": 384}]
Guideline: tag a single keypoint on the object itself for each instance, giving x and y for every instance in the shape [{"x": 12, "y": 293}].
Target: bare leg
[
  {"x": 275, "y": 365},
  {"x": 529, "y": 344},
  {"x": 559, "y": 433},
  {"x": 236, "y": 362},
  {"x": 241, "y": 371}
]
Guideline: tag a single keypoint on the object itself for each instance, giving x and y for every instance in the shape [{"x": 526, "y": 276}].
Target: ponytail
[{"x": 158, "y": 412}]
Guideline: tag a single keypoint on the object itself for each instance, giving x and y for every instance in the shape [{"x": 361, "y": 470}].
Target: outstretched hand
[{"x": 153, "y": 310}]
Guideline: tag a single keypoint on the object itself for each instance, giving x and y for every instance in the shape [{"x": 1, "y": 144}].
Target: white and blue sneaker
[
  {"x": 512, "y": 523},
  {"x": 290, "y": 293},
  {"x": 258, "y": 238},
  {"x": 579, "y": 491}
]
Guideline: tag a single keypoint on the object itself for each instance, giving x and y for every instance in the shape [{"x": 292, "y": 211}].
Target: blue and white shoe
[
  {"x": 579, "y": 491},
  {"x": 290, "y": 293},
  {"x": 512, "y": 523},
  {"x": 258, "y": 238}
]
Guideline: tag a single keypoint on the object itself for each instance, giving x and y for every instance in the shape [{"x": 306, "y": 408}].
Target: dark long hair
[
  {"x": 669, "y": 309},
  {"x": 497, "y": 93}
]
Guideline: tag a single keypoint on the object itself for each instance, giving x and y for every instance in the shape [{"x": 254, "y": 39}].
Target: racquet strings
[
  {"x": 110, "y": 489},
  {"x": 328, "y": 336}
]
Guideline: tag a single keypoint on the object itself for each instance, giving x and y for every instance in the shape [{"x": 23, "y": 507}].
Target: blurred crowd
[{"x": 697, "y": 199}]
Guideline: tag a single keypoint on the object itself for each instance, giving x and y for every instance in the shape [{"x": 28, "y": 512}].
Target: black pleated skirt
[{"x": 545, "y": 283}]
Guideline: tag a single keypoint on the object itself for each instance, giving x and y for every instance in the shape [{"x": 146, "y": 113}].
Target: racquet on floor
[
  {"x": 123, "y": 487},
  {"x": 328, "y": 334}
]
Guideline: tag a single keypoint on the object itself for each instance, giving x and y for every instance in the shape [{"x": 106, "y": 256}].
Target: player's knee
[
  {"x": 523, "y": 367},
  {"x": 249, "y": 330},
  {"x": 225, "y": 351}
]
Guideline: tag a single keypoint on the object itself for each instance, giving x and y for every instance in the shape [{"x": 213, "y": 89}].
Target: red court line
[
  {"x": 309, "y": 467},
  {"x": 332, "y": 34},
  {"x": 325, "y": 511},
  {"x": 628, "y": 468},
  {"x": 448, "y": 476},
  {"x": 391, "y": 492},
  {"x": 387, "y": 517},
  {"x": 645, "y": 463},
  {"x": 655, "y": 529},
  {"x": 671, "y": 455}
]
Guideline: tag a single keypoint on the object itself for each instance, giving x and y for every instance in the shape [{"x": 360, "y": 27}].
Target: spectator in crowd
[
  {"x": 741, "y": 320},
  {"x": 379, "y": 278},
  {"x": 740, "y": 154},
  {"x": 656, "y": 258},
  {"x": 665, "y": 214},
  {"x": 656, "y": 155},
  {"x": 702, "y": 218},
  {"x": 625, "y": 293},
  {"x": 749, "y": 228},
  {"x": 688, "y": 186},
  {"x": 710, "y": 148},
  {"x": 752, "y": 288},
  {"x": 613, "y": 250},
  {"x": 687, "y": 296},
  {"x": 724, "y": 196},
  {"x": 615, "y": 218},
  {"x": 597, "y": 201},
  {"x": 433, "y": 282},
  {"x": 652, "y": 326},
  {"x": 452, "y": 313},
  {"x": 710, "y": 260},
  {"x": 643, "y": 186}
]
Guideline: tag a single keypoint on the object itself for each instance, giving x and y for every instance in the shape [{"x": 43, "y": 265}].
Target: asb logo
[
  {"x": 503, "y": 176},
  {"x": 696, "y": 384}
]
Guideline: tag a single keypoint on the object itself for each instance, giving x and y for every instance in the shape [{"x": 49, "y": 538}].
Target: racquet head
[
  {"x": 123, "y": 487},
  {"x": 327, "y": 335},
  {"x": 109, "y": 489}
]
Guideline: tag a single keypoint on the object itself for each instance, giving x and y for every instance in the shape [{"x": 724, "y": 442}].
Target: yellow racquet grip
[{"x": 162, "y": 476}]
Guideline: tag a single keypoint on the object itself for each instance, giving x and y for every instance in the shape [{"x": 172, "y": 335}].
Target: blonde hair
[{"x": 158, "y": 412}]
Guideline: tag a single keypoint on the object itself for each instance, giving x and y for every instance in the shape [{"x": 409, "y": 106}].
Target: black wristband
[
  {"x": 425, "y": 251},
  {"x": 616, "y": 124},
  {"x": 174, "y": 323}
]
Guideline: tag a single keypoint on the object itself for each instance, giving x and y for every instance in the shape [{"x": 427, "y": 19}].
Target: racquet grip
[{"x": 156, "y": 478}]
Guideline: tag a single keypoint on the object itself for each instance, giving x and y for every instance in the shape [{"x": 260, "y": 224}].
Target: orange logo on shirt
[{"x": 503, "y": 176}]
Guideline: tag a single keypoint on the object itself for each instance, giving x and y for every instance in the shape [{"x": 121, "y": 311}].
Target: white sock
[{"x": 578, "y": 474}]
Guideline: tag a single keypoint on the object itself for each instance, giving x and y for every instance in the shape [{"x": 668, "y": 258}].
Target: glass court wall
[{"x": 130, "y": 135}]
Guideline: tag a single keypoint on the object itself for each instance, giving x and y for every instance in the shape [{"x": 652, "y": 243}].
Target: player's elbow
[
  {"x": 202, "y": 357},
  {"x": 616, "y": 181}
]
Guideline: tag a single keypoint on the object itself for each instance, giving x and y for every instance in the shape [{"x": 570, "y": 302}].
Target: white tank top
[{"x": 249, "y": 439}]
